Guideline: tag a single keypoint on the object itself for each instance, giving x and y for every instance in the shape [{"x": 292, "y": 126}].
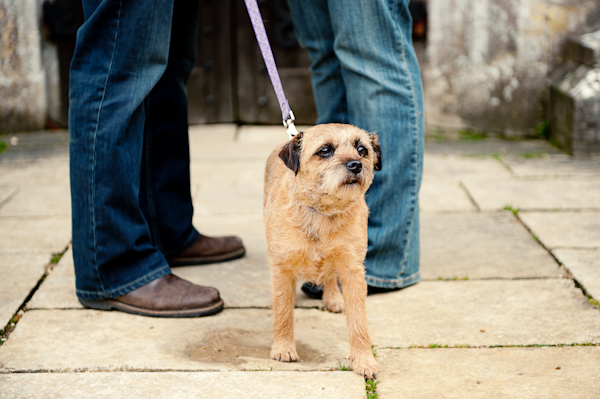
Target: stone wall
[
  {"x": 489, "y": 61},
  {"x": 29, "y": 89}
]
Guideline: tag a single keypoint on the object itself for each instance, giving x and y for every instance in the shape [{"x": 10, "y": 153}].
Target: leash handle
[{"x": 267, "y": 53}]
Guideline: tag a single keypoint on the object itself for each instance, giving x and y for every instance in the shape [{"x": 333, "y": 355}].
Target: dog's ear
[
  {"x": 290, "y": 153},
  {"x": 377, "y": 150}
]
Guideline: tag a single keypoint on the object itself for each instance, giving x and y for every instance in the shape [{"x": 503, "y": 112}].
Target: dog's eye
[
  {"x": 362, "y": 151},
  {"x": 325, "y": 151}
]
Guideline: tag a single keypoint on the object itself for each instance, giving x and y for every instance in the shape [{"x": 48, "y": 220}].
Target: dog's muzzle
[{"x": 354, "y": 167}]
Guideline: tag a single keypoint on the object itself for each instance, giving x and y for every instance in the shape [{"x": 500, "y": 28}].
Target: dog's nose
[{"x": 354, "y": 167}]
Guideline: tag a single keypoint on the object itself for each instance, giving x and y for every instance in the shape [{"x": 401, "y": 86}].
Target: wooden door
[{"x": 230, "y": 82}]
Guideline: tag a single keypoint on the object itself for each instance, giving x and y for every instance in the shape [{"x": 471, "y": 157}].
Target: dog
[{"x": 316, "y": 224}]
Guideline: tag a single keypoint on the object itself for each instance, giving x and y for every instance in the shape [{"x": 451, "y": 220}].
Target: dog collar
[{"x": 317, "y": 212}]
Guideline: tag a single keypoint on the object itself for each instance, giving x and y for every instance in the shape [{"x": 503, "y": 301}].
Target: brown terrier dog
[{"x": 316, "y": 220}]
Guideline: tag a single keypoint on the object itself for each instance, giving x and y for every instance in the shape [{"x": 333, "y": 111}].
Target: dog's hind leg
[
  {"x": 283, "y": 293},
  {"x": 332, "y": 297},
  {"x": 354, "y": 289}
]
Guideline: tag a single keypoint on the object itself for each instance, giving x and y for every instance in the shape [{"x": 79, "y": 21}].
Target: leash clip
[{"x": 289, "y": 125}]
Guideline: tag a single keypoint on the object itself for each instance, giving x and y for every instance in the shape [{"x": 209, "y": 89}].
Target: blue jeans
[
  {"x": 365, "y": 72},
  {"x": 129, "y": 150}
]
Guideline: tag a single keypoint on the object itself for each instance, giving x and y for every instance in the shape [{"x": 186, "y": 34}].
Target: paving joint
[
  {"x": 14, "y": 320},
  {"x": 10, "y": 197},
  {"x": 467, "y": 346},
  {"x": 471, "y": 198},
  {"x": 560, "y": 264}
]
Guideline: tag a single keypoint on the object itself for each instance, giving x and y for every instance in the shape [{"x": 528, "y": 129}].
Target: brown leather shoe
[
  {"x": 167, "y": 296},
  {"x": 209, "y": 250}
]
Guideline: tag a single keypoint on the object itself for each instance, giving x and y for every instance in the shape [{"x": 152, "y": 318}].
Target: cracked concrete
[{"x": 490, "y": 291}]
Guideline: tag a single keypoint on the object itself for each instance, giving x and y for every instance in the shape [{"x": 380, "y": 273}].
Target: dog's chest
[{"x": 315, "y": 265}]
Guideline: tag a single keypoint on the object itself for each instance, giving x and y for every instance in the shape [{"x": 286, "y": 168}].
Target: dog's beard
[{"x": 343, "y": 184}]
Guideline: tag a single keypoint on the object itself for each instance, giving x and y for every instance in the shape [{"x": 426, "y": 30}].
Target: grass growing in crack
[
  {"x": 56, "y": 257},
  {"x": 455, "y": 278},
  {"x": 374, "y": 350},
  {"x": 515, "y": 211},
  {"x": 497, "y": 156},
  {"x": 472, "y": 135},
  {"x": 343, "y": 367},
  {"x": 8, "y": 329},
  {"x": 594, "y": 302},
  {"x": 371, "y": 386},
  {"x": 5, "y": 332},
  {"x": 532, "y": 155}
]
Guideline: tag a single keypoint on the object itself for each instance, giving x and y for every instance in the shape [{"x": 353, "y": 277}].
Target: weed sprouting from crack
[
  {"x": 455, "y": 278},
  {"x": 515, "y": 211},
  {"x": 433, "y": 346},
  {"x": 532, "y": 155},
  {"x": 343, "y": 367},
  {"x": 9, "y": 328},
  {"x": 371, "y": 387}
]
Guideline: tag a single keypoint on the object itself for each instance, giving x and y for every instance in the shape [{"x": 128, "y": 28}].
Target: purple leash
[{"x": 267, "y": 53}]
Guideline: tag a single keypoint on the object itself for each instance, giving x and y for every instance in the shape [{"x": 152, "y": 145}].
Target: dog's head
[{"x": 333, "y": 159}]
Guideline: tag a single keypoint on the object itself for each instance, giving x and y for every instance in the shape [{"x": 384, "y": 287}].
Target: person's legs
[
  {"x": 121, "y": 53},
  {"x": 383, "y": 94},
  {"x": 315, "y": 33},
  {"x": 165, "y": 195},
  {"x": 165, "y": 188}
]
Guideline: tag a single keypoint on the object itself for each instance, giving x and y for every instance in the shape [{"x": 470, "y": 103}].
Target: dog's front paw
[
  {"x": 284, "y": 353},
  {"x": 366, "y": 366},
  {"x": 334, "y": 303},
  {"x": 332, "y": 298}
]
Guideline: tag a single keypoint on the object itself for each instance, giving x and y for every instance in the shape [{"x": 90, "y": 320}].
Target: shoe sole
[
  {"x": 312, "y": 291},
  {"x": 206, "y": 260},
  {"x": 111, "y": 304}
]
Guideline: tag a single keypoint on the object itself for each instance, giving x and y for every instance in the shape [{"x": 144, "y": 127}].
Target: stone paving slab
[
  {"x": 243, "y": 199},
  {"x": 228, "y": 141},
  {"x": 456, "y": 167},
  {"x": 458, "y": 246},
  {"x": 272, "y": 135},
  {"x": 45, "y": 235},
  {"x": 545, "y": 373},
  {"x": 58, "y": 289},
  {"x": 184, "y": 385},
  {"x": 496, "y": 194},
  {"x": 565, "y": 229},
  {"x": 490, "y": 146},
  {"x": 234, "y": 339},
  {"x": 242, "y": 283},
  {"x": 444, "y": 195},
  {"x": 6, "y": 192},
  {"x": 223, "y": 173},
  {"x": 510, "y": 312},
  {"x": 39, "y": 201},
  {"x": 475, "y": 313},
  {"x": 41, "y": 145},
  {"x": 36, "y": 172},
  {"x": 203, "y": 136},
  {"x": 584, "y": 265},
  {"x": 554, "y": 166},
  {"x": 481, "y": 245},
  {"x": 18, "y": 275}
]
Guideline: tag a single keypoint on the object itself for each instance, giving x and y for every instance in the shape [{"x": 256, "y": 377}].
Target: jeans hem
[
  {"x": 393, "y": 283},
  {"x": 124, "y": 289},
  {"x": 186, "y": 244}
]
